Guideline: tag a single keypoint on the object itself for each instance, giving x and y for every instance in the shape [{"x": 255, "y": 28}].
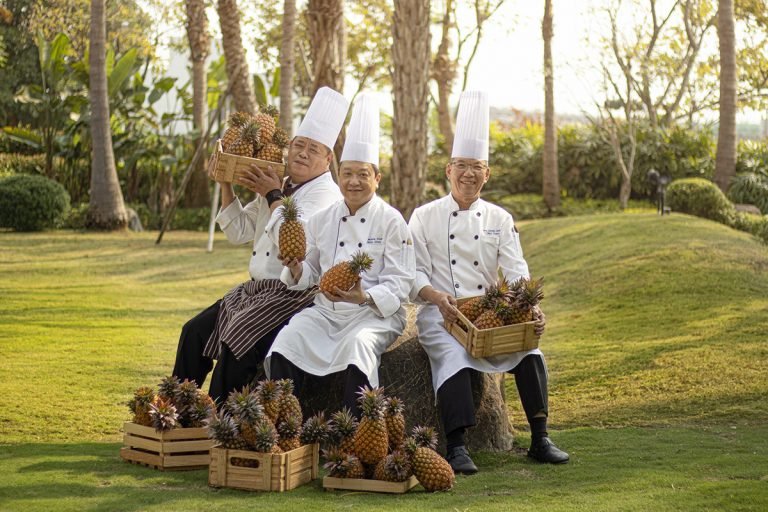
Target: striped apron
[{"x": 251, "y": 310}]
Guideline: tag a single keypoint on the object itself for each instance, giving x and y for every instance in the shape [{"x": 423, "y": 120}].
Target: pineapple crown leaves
[
  {"x": 343, "y": 424},
  {"x": 530, "y": 293},
  {"x": 250, "y": 134},
  {"x": 289, "y": 427},
  {"x": 398, "y": 464},
  {"x": 265, "y": 437},
  {"x": 169, "y": 387},
  {"x": 244, "y": 405},
  {"x": 222, "y": 428},
  {"x": 425, "y": 437},
  {"x": 371, "y": 402},
  {"x": 268, "y": 390},
  {"x": 143, "y": 396},
  {"x": 270, "y": 110},
  {"x": 360, "y": 262},
  {"x": 338, "y": 463},
  {"x": 393, "y": 406},
  {"x": 163, "y": 414},
  {"x": 239, "y": 119},
  {"x": 285, "y": 385},
  {"x": 315, "y": 429},
  {"x": 280, "y": 138},
  {"x": 199, "y": 411},
  {"x": 291, "y": 210},
  {"x": 187, "y": 394}
]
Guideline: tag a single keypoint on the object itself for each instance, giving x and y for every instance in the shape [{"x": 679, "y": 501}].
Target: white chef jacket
[
  {"x": 256, "y": 223},
  {"x": 461, "y": 252},
  {"x": 330, "y": 336}
]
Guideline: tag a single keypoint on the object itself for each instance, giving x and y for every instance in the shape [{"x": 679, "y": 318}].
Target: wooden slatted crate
[
  {"x": 358, "y": 484},
  {"x": 228, "y": 167},
  {"x": 180, "y": 448},
  {"x": 495, "y": 341},
  {"x": 273, "y": 472}
]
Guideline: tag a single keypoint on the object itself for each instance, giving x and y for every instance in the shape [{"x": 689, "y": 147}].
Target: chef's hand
[
  {"x": 294, "y": 265},
  {"x": 445, "y": 302},
  {"x": 540, "y": 319},
  {"x": 260, "y": 180},
  {"x": 355, "y": 295}
]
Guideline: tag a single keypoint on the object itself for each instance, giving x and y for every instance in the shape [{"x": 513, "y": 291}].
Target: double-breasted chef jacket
[
  {"x": 330, "y": 336},
  {"x": 461, "y": 252},
  {"x": 254, "y": 308}
]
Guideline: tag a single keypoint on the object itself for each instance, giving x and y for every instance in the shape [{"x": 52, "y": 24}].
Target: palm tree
[
  {"x": 197, "y": 192},
  {"x": 410, "y": 84},
  {"x": 106, "y": 209},
  {"x": 286, "y": 66},
  {"x": 237, "y": 67},
  {"x": 550, "y": 181},
  {"x": 725, "y": 161}
]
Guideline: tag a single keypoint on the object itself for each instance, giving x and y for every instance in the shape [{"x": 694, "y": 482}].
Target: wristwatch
[
  {"x": 273, "y": 195},
  {"x": 368, "y": 300}
]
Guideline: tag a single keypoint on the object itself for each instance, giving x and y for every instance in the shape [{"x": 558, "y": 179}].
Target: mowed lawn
[{"x": 657, "y": 346}]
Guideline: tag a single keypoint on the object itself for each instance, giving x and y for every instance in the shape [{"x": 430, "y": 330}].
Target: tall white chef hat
[
  {"x": 472, "y": 126},
  {"x": 325, "y": 117},
  {"x": 362, "y": 142}
]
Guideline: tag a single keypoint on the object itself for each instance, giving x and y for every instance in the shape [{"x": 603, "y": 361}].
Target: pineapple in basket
[
  {"x": 248, "y": 140},
  {"x": 395, "y": 467},
  {"x": 473, "y": 308},
  {"x": 292, "y": 239},
  {"x": 371, "y": 438},
  {"x": 432, "y": 471},
  {"x": 236, "y": 122},
  {"x": 343, "y": 465},
  {"x": 343, "y": 428},
  {"x": 499, "y": 316},
  {"x": 346, "y": 274},
  {"x": 139, "y": 405},
  {"x": 393, "y": 415},
  {"x": 526, "y": 297}
]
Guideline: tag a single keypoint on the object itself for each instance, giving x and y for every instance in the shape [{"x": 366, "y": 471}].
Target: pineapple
[
  {"x": 315, "y": 429},
  {"x": 343, "y": 427},
  {"x": 395, "y": 467},
  {"x": 266, "y": 118},
  {"x": 169, "y": 388},
  {"x": 269, "y": 396},
  {"x": 371, "y": 438},
  {"x": 245, "y": 409},
  {"x": 289, "y": 431},
  {"x": 289, "y": 404},
  {"x": 527, "y": 297},
  {"x": 248, "y": 140},
  {"x": 270, "y": 152},
  {"x": 265, "y": 438},
  {"x": 185, "y": 401},
  {"x": 280, "y": 138},
  {"x": 292, "y": 239},
  {"x": 346, "y": 274},
  {"x": 343, "y": 465},
  {"x": 163, "y": 414},
  {"x": 499, "y": 316},
  {"x": 473, "y": 308},
  {"x": 393, "y": 415},
  {"x": 223, "y": 429},
  {"x": 433, "y": 472},
  {"x": 139, "y": 405},
  {"x": 202, "y": 408},
  {"x": 236, "y": 122}
]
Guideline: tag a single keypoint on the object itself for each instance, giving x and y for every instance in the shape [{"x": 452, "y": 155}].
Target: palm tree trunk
[
  {"x": 410, "y": 84},
  {"x": 106, "y": 209},
  {"x": 444, "y": 74},
  {"x": 237, "y": 67},
  {"x": 198, "y": 191},
  {"x": 286, "y": 66},
  {"x": 550, "y": 181},
  {"x": 725, "y": 162}
]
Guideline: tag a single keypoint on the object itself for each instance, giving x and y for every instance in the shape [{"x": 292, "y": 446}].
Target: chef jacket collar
[
  {"x": 363, "y": 210},
  {"x": 455, "y": 206}
]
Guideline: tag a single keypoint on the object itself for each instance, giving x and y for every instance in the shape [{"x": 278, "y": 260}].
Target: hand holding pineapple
[
  {"x": 445, "y": 302},
  {"x": 355, "y": 295}
]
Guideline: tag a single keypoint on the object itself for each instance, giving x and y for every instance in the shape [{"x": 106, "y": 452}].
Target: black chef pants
[
  {"x": 457, "y": 409},
  {"x": 281, "y": 368},
  {"x": 190, "y": 362}
]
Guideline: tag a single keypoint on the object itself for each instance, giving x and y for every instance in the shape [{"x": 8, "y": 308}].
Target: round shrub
[
  {"x": 700, "y": 197},
  {"x": 31, "y": 203}
]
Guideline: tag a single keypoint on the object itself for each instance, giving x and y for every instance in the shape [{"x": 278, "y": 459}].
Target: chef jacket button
[
  {"x": 403, "y": 241},
  {"x": 362, "y": 220},
  {"x": 341, "y": 244},
  {"x": 267, "y": 253},
  {"x": 478, "y": 214},
  {"x": 451, "y": 237},
  {"x": 456, "y": 285},
  {"x": 476, "y": 237},
  {"x": 360, "y": 244},
  {"x": 479, "y": 287},
  {"x": 453, "y": 262},
  {"x": 476, "y": 263},
  {"x": 344, "y": 219},
  {"x": 455, "y": 214},
  {"x": 254, "y": 253}
]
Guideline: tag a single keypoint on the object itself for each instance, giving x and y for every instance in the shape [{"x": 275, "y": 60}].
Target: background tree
[
  {"x": 286, "y": 65},
  {"x": 411, "y": 57},
  {"x": 198, "y": 191},
  {"x": 725, "y": 162},
  {"x": 106, "y": 209},
  {"x": 550, "y": 179},
  {"x": 237, "y": 67}
]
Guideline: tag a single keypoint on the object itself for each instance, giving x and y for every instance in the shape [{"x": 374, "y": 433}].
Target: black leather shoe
[
  {"x": 460, "y": 461},
  {"x": 544, "y": 450}
]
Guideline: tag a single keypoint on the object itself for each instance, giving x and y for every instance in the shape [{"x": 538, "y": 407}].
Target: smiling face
[
  {"x": 307, "y": 159},
  {"x": 358, "y": 182},
  {"x": 467, "y": 177}
]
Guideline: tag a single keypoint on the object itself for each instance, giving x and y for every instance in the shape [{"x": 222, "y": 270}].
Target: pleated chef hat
[
  {"x": 472, "y": 126},
  {"x": 325, "y": 117},
  {"x": 362, "y": 142}
]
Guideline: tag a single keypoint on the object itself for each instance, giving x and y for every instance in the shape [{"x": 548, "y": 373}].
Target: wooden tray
[
  {"x": 228, "y": 167},
  {"x": 492, "y": 342},
  {"x": 358, "y": 484},
  {"x": 274, "y": 472},
  {"x": 180, "y": 448}
]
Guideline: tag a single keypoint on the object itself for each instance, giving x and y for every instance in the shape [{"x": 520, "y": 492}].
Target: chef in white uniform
[
  {"x": 462, "y": 242},
  {"x": 350, "y": 329},
  {"x": 238, "y": 329}
]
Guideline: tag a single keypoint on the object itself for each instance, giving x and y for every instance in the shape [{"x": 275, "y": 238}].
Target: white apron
[{"x": 330, "y": 336}]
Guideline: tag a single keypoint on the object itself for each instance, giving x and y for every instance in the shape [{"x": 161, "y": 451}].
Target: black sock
[
  {"x": 538, "y": 428},
  {"x": 455, "y": 438}
]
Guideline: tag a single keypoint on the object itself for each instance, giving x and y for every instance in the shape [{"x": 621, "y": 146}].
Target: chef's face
[
  {"x": 307, "y": 159},
  {"x": 467, "y": 177},
  {"x": 358, "y": 182}
]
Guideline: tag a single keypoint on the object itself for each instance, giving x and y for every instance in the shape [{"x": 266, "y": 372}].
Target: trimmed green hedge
[
  {"x": 700, "y": 197},
  {"x": 31, "y": 203}
]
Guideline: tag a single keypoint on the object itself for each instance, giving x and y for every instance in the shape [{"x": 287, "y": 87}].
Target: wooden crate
[
  {"x": 495, "y": 341},
  {"x": 180, "y": 448},
  {"x": 358, "y": 484},
  {"x": 275, "y": 472},
  {"x": 228, "y": 167}
]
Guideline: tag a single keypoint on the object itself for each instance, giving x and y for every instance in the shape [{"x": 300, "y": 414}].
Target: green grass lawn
[{"x": 656, "y": 344}]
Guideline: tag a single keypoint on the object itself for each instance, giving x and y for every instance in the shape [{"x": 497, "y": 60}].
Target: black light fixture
[{"x": 661, "y": 183}]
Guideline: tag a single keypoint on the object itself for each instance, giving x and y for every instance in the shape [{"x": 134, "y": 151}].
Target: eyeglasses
[{"x": 463, "y": 167}]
